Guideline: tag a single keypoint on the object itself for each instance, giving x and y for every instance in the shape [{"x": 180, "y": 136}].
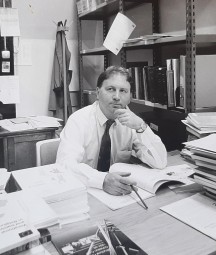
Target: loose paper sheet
[
  {"x": 197, "y": 211},
  {"x": 121, "y": 29},
  {"x": 9, "y": 89},
  {"x": 207, "y": 143},
  {"x": 9, "y": 22},
  {"x": 117, "y": 202}
]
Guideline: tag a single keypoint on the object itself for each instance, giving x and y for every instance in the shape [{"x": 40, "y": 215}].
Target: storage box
[{"x": 88, "y": 5}]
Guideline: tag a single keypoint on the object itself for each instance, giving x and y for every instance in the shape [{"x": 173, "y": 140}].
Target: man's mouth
[{"x": 118, "y": 106}]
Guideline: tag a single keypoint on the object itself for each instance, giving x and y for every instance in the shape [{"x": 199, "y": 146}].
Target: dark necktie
[{"x": 105, "y": 149}]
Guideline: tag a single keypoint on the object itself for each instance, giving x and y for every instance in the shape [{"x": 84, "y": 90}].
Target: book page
[
  {"x": 44, "y": 180},
  {"x": 117, "y": 202},
  {"x": 30, "y": 202},
  {"x": 151, "y": 179},
  {"x": 197, "y": 211}
]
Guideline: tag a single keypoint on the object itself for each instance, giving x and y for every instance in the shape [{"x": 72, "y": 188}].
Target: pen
[{"x": 146, "y": 207}]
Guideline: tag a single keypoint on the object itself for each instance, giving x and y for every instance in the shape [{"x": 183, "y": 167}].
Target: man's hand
[
  {"x": 128, "y": 118},
  {"x": 118, "y": 184}
]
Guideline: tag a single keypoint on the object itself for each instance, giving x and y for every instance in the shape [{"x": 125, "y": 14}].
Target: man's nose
[{"x": 116, "y": 95}]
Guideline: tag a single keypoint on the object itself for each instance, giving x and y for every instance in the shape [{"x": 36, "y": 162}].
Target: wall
[
  {"x": 173, "y": 17},
  {"x": 38, "y": 19}
]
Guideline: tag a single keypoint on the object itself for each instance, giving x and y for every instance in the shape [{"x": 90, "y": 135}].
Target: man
[{"x": 81, "y": 147}]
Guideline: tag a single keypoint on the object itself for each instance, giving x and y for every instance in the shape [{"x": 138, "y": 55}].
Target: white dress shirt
[{"x": 81, "y": 138}]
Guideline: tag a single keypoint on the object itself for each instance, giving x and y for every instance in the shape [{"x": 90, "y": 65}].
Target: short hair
[{"x": 113, "y": 70}]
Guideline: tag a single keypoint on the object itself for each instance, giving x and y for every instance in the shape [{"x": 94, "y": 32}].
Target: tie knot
[{"x": 109, "y": 124}]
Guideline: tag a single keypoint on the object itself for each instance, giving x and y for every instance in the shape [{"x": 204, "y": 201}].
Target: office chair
[{"x": 46, "y": 151}]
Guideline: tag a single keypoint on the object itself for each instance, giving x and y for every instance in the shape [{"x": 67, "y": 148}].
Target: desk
[
  {"x": 154, "y": 231},
  {"x": 18, "y": 149}
]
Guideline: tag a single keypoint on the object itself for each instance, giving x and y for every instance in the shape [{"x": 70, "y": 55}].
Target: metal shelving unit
[
  {"x": 190, "y": 40},
  {"x": 102, "y": 12}
]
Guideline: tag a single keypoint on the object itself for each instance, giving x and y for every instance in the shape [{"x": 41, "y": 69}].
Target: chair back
[{"x": 46, "y": 151}]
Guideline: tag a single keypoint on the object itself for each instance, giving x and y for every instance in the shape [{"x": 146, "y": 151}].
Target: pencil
[
  {"x": 90, "y": 248},
  {"x": 146, "y": 207}
]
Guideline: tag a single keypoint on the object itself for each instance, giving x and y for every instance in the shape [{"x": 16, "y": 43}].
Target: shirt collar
[{"x": 100, "y": 116}]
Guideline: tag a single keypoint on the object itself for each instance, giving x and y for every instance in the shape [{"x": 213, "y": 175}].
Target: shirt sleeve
[
  {"x": 71, "y": 151},
  {"x": 150, "y": 149}
]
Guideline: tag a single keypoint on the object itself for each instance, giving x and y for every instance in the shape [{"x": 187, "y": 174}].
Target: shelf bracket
[{"x": 190, "y": 57}]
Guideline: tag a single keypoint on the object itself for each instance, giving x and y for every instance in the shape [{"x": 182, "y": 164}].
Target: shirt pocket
[{"x": 123, "y": 156}]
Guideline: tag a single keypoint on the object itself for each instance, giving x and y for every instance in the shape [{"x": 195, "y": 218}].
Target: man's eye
[
  {"x": 110, "y": 89},
  {"x": 123, "y": 91}
]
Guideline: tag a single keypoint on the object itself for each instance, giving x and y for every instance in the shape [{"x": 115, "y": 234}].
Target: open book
[{"x": 151, "y": 179}]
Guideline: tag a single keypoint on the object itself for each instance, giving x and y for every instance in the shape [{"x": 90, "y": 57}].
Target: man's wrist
[{"x": 142, "y": 127}]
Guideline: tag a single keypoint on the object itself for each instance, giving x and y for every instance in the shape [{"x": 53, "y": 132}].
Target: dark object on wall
[
  {"x": 7, "y": 110},
  {"x": 7, "y": 64}
]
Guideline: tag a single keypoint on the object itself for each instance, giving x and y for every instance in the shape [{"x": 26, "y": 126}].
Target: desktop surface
[{"x": 156, "y": 232}]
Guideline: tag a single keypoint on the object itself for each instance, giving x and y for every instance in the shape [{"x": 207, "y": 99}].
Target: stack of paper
[
  {"x": 15, "y": 227},
  {"x": 26, "y": 123},
  {"x": 204, "y": 154},
  {"x": 38, "y": 212},
  {"x": 64, "y": 193},
  {"x": 148, "y": 39},
  {"x": 201, "y": 124},
  {"x": 44, "y": 121}
]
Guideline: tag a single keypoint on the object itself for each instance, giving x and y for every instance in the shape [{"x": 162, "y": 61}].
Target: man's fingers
[
  {"x": 123, "y": 119},
  {"x": 118, "y": 184},
  {"x": 123, "y": 174},
  {"x": 127, "y": 181},
  {"x": 120, "y": 111}
]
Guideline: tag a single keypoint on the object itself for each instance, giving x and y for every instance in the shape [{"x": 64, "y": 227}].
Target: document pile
[
  {"x": 148, "y": 39},
  {"x": 26, "y": 123},
  {"x": 201, "y": 124},
  {"x": 28, "y": 203},
  {"x": 64, "y": 193},
  {"x": 15, "y": 227},
  {"x": 204, "y": 154}
]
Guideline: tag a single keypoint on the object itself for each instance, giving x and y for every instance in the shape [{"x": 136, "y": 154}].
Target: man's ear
[{"x": 97, "y": 92}]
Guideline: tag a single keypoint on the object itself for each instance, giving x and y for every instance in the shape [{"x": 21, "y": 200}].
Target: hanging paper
[
  {"x": 121, "y": 29},
  {"x": 9, "y": 89},
  {"x": 9, "y": 22}
]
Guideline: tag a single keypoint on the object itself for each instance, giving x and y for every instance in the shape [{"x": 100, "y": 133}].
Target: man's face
[{"x": 113, "y": 94}]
